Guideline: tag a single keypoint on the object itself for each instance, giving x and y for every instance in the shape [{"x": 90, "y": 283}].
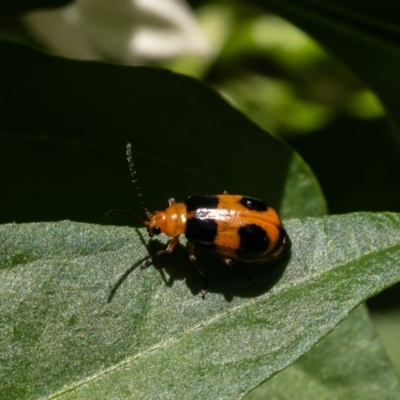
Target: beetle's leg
[
  {"x": 169, "y": 249},
  {"x": 172, "y": 244},
  {"x": 192, "y": 258},
  {"x": 171, "y": 201},
  {"x": 144, "y": 264},
  {"x": 228, "y": 261},
  {"x": 204, "y": 291},
  {"x": 226, "y": 192}
]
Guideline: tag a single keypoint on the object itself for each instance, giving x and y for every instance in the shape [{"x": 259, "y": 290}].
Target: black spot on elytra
[
  {"x": 254, "y": 242},
  {"x": 193, "y": 203},
  {"x": 253, "y": 204},
  {"x": 201, "y": 231}
]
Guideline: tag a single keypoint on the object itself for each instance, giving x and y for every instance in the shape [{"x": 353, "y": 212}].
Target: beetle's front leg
[{"x": 172, "y": 244}]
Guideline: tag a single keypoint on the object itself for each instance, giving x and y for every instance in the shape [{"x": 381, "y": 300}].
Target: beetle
[{"x": 236, "y": 227}]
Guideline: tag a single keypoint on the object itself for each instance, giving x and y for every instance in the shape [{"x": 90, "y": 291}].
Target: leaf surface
[
  {"x": 349, "y": 363},
  {"x": 60, "y": 337}
]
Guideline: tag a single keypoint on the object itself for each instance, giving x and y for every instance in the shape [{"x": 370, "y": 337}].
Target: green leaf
[
  {"x": 65, "y": 125},
  {"x": 60, "y": 337},
  {"x": 367, "y": 42},
  {"x": 350, "y": 363},
  {"x": 388, "y": 326}
]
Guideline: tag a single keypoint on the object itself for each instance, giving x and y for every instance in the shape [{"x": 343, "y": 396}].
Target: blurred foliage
[{"x": 269, "y": 69}]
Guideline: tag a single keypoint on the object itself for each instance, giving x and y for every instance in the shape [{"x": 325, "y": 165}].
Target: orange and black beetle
[{"x": 236, "y": 227}]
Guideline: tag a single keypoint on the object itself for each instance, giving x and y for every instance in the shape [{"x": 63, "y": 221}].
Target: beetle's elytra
[{"x": 236, "y": 227}]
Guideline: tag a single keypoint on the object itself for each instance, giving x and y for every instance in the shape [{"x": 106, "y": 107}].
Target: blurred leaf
[
  {"x": 377, "y": 13},
  {"x": 272, "y": 36},
  {"x": 60, "y": 337},
  {"x": 269, "y": 69},
  {"x": 65, "y": 125},
  {"x": 368, "y": 44},
  {"x": 365, "y": 104},
  {"x": 363, "y": 178},
  {"x": 269, "y": 102},
  {"x": 20, "y": 6},
  {"x": 388, "y": 326},
  {"x": 349, "y": 363}
]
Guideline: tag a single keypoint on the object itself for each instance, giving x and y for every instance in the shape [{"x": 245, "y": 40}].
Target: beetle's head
[{"x": 156, "y": 223}]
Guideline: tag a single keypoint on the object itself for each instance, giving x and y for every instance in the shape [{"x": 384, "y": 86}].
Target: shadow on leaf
[{"x": 243, "y": 280}]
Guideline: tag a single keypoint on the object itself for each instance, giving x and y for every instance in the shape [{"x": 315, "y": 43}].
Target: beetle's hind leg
[
  {"x": 192, "y": 258},
  {"x": 228, "y": 261}
]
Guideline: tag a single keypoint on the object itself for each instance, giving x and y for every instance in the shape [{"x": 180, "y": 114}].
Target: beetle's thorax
[{"x": 172, "y": 221}]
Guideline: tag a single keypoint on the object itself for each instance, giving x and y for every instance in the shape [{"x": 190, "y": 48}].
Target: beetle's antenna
[
  {"x": 127, "y": 213},
  {"x": 135, "y": 180}
]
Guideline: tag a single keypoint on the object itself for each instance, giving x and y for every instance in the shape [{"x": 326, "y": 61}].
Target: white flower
[{"x": 127, "y": 31}]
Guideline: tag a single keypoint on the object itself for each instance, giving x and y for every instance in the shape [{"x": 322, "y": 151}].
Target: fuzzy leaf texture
[
  {"x": 157, "y": 338},
  {"x": 349, "y": 363}
]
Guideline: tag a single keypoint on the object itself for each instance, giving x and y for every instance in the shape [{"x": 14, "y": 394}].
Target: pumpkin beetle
[{"x": 236, "y": 227}]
